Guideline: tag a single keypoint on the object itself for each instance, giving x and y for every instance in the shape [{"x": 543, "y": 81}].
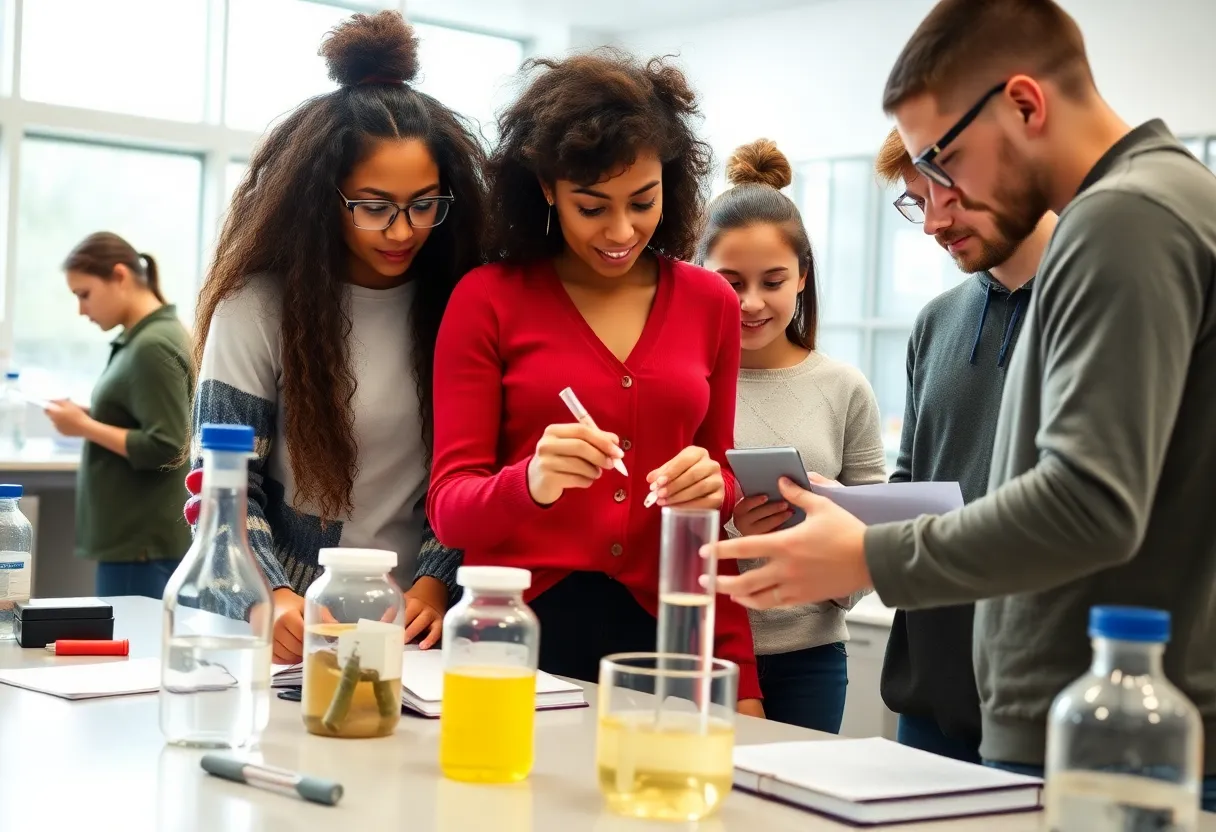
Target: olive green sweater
[{"x": 130, "y": 508}]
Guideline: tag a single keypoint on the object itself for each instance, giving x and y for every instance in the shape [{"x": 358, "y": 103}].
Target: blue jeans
[
  {"x": 923, "y": 733},
  {"x": 806, "y": 687},
  {"x": 146, "y": 578},
  {"x": 1207, "y": 791}
]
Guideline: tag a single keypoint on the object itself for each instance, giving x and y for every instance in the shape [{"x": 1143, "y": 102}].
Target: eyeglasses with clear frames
[
  {"x": 912, "y": 208},
  {"x": 380, "y": 214}
]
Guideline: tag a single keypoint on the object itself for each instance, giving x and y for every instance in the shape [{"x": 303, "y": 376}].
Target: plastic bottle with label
[
  {"x": 354, "y": 634},
  {"x": 491, "y": 648},
  {"x": 12, "y": 415},
  {"x": 16, "y": 556},
  {"x": 1124, "y": 745}
]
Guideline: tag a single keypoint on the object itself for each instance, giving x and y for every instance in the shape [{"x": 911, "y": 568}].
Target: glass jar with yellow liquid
[
  {"x": 354, "y": 635},
  {"x": 491, "y": 646}
]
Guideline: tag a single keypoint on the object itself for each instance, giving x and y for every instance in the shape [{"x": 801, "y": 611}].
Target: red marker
[{"x": 89, "y": 647}]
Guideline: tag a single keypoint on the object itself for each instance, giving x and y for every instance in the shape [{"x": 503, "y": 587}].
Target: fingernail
[
  {"x": 617, "y": 452},
  {"x": 704, "y": 551}
]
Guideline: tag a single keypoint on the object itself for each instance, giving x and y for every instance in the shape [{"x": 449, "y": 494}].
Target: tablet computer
[{"x": 758, "y": 469}]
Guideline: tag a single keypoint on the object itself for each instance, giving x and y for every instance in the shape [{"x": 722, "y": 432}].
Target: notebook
[
  {"x": 94, "y": 680},
  {"x": 422, "y": 684},
  {"x": 875, "y": 781}
]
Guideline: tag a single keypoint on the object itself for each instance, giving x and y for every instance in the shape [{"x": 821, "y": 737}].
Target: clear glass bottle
[
  {"x": 16, "y": 556},
  {"x": 218, "y": 613},
  {"x": 1124, "y": 746},
  {"x": 12, "y": 414},
  {"x": 491, "y": 646},
  {"x": 354, "y": 633}
]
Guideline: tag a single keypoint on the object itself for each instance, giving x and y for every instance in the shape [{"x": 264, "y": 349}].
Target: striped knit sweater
[{"x": 240, "y": 382}]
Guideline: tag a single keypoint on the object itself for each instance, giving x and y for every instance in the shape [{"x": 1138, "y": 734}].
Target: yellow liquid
[
  {"x": 667, "y": 772},
  {"x": 485, "y": 726},
  {"x": 367, "y": 716}
]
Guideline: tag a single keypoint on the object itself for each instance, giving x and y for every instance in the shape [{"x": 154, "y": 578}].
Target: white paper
[
  {"x": 893, "y": 502},
  {"x": 378, "y": 644},
  {"x": 87, "y": 681},
  {"x": 422, "y": 673},
  {"x": 869, "y": 769}
]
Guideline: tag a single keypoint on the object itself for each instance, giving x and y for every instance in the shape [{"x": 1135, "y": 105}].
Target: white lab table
[{"x": 102, "y": 765}]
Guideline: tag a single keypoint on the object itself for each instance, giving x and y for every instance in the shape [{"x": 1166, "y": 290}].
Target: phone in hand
[{"x": 758, "y": 469}]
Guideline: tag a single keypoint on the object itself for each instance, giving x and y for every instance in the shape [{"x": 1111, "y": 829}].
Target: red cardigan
[{"x": 510, "y": 340}]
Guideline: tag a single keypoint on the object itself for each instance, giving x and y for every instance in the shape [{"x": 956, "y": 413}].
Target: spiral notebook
[{"x": 422, "y": 684}]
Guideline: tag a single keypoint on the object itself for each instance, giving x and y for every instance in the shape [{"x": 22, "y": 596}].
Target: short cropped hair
[
  {"x": 893, "y": 164},
  {"x": 966, "y": 46}
]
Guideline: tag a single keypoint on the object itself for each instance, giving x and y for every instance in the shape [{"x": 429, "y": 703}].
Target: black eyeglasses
[
  {"x": 912, "y": 208},
  {"x": 924, "y": 162},
  {"x": 380, "y": 214}
]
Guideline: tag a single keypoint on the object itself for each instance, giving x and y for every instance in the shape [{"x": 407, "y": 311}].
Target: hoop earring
[{"x": 548, "y": 218}]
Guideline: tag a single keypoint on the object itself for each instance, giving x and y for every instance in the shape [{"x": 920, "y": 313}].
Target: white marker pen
[{"x": 584, "y": 418}]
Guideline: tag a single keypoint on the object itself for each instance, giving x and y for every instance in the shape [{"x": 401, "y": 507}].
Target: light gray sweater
[{"x": 827, "y": 410}]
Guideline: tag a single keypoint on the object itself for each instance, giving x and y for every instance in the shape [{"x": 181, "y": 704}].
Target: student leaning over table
[
  {"x": 596, "y": 192},
  {"x": 128, "y": 495},
  {"x": 1104, "y": 462},
  {"x": 317, "y": 322},
  {"x": 789, "y": 394}
]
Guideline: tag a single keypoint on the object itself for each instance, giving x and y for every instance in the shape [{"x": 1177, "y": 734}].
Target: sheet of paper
[
  {"x": 893, "y": 502},
  {"x": 88, "y": 681},
  {"x": 422, "y": 673},
  {"x": 870, "y": 769}
]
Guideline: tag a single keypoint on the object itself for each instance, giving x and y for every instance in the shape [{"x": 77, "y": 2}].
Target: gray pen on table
[{"x": 314, "y": 789}]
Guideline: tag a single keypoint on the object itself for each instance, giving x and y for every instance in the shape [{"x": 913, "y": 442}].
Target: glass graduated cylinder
[{"x": 687, "y": 582}]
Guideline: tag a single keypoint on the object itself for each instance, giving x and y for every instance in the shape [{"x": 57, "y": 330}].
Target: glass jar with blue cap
[
  {"x": 1124, "y": 745},
  {"x": 354, "y": 635}
]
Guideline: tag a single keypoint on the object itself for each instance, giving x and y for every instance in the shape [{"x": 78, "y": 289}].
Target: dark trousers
[
  {"x": 147, "y": 578},
  {"x": 806, "y": 687},
  {"x": 923, "y": 733},
  {"x": 586, "y": 616},
  {"x": 1207, "y": 791}
]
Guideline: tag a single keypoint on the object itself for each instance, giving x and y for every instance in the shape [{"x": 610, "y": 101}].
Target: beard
[{"x": 1020, "y": 200}]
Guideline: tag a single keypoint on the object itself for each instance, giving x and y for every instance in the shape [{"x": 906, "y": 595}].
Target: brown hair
[
  {"x": 98, "y": 254},
  {"x": 893, "y": 164},
  {"x": 964, "y": 47},
  {"x": 757, "y": 173},
  {"x": 285, "y": 221},
  {"x": 580, "y": 118}
]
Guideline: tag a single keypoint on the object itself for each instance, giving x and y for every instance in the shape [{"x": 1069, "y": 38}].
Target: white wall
[{"x": 811, "y": 78}]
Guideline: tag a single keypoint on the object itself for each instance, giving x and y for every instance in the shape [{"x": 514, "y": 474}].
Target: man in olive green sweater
[{"x": 1104, "y": 463}]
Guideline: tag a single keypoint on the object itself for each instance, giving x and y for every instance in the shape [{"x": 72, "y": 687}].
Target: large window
[
  {"x": 139, "y": 117},
  {"x": 876, "y": 270}
]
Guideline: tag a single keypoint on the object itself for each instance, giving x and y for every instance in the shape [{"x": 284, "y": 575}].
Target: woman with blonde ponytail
[
  {"x": 128, "y": 496},
  {"x": 789, "y": 394}
]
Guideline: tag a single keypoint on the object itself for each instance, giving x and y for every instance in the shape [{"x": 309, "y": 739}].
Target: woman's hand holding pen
[
  {"x": 691, "y": 479},
  {"x": 570, "y": 456}
]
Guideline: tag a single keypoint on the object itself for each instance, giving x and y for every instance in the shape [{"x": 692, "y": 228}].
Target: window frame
[{"x": 210, "y": 139}]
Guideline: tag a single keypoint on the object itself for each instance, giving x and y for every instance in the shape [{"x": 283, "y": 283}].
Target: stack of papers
[
  {"x": 875, "y": 781},
  {"x": 95, "y": 680},
  {"x": 895, "y": 501},
  {"x": 422, "y": 684}
]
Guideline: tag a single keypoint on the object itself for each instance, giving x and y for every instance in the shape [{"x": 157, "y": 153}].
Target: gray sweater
[
  {"x": 826, "y": 409},
  {"x": 1104, "y": 464}
]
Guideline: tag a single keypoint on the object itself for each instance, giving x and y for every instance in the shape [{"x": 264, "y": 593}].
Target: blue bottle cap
[
  {"x": 237, "y": 438},
  {"x": 12, "y": 375},
  {"x": 11, "y": 492},
  {"x": 1129, "y": 624}
]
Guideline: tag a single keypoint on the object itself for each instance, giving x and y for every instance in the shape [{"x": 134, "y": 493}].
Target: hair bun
[
  {"x": 759, "y": 163},
  {"x": 367, "y": 48}
]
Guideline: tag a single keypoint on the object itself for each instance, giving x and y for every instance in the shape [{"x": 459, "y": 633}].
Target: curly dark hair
[
  {"x": 580, "y": 118},
  {"x": 286, "y": 220}
]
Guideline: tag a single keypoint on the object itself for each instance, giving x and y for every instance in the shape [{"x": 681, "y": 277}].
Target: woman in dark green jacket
[{"x": 129, "y": 488}]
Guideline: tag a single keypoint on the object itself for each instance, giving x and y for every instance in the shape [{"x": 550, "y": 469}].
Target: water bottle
[
  {"x": 12, "y": 415},
  {"x": 1124, "y": 746},
  {"x": 16, "y": 556},
  {"x": 218, "y": 613}
]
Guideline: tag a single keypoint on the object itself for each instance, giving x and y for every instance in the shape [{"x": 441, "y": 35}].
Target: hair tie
[{"x": 379, "y": 79}]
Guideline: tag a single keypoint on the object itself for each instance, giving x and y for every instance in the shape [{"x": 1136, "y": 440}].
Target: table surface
[
  {"x": 102, "y": 765},
  {"x": 42, "y": 454}
]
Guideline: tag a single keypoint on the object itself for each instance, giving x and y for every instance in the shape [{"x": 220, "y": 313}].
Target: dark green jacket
[{"x": 129, "y": 508}]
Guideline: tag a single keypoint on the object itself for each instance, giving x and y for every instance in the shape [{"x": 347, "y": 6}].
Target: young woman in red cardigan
[{"x": 595, "y": 197}]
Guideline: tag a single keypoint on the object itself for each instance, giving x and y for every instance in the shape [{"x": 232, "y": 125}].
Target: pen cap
[{"x": 572, "y": 402}]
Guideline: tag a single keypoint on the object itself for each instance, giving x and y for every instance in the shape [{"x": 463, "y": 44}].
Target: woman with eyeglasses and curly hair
[
  {"x": 318, "y": 319},
  {"x": 596, "y": 195}
]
